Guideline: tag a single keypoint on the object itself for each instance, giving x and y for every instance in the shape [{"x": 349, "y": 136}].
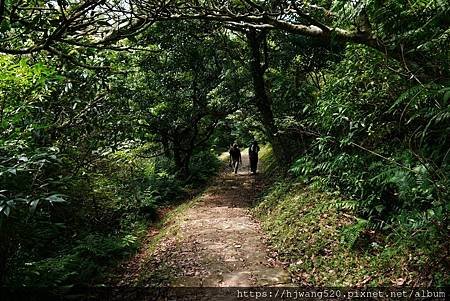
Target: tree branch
[{"x": 74, "y": 61}]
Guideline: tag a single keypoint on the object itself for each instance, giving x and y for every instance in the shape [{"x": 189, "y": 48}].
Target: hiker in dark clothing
[
  {"x": 253, "y": 150},
  {"x": 235, "y": 157}
]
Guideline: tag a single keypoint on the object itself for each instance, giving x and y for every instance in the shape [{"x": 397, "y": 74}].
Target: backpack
[{"x": 253, "y": 149}]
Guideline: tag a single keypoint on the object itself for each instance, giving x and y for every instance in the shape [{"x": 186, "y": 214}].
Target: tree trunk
[
  {"x": 263, "y": 100},
  {"x": 181, "y": 159}
]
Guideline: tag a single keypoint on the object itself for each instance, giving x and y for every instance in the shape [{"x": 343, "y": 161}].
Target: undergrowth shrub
[
  {"x": 323, "y": 241},
  {"x": 90, "y": 257},
  {"x": 108, "y": 205},
  {"x": 382, "y": 142},
  {"x": 203, "y": 166}
]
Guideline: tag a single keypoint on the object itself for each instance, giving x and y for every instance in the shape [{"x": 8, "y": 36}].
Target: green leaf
[
  {"x": 33, "y": 205},
  {"x": 447, "y": 96},
  {"x": 55, "y": 198},
  {"x": 6, "y": 210}
]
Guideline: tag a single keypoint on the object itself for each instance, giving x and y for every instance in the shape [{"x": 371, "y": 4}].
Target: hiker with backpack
[
  {"x": 253, "y": 150},
  {"x": 235, "y": 157}
]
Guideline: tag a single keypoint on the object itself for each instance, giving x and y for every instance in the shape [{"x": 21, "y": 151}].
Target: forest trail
[{"x": 214, "y": 242}]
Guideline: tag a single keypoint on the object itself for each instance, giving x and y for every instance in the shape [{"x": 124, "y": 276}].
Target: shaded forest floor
[
  {"x": 245, "y": 230},
  {"x": 211, "y": 241}
]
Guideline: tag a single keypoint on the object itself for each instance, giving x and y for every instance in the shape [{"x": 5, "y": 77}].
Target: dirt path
[{"x": 214, "y": 242}]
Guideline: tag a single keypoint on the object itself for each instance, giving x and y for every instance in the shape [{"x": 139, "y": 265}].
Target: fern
[
  {"x": 407, "y": 97},
  {"x": 350, "y": 234}
]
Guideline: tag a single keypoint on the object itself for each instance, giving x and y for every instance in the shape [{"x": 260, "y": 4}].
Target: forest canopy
[{"x": 110, "y": 109}]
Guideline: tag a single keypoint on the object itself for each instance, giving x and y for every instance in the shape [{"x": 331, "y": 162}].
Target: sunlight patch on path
[{"x": 217, "y": 242}]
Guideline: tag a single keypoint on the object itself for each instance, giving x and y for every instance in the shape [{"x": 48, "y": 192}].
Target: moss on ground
[{"x": 324, "y": 245}]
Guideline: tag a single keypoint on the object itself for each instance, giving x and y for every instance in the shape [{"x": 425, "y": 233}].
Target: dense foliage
[
  {"x": 110, "y": 110},
  {"x": 79, "y": 177}
]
